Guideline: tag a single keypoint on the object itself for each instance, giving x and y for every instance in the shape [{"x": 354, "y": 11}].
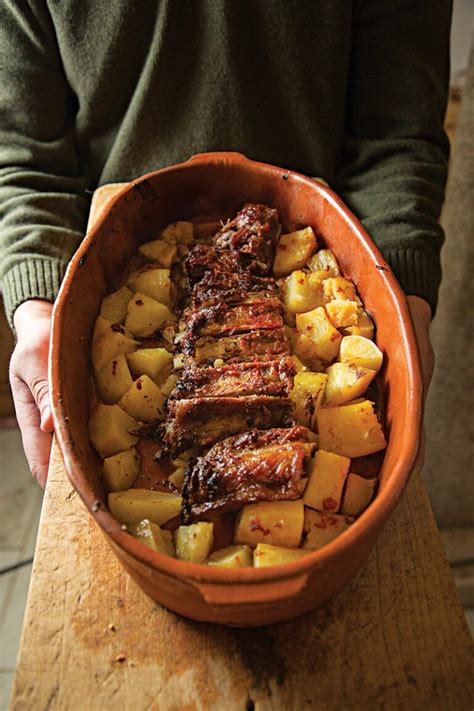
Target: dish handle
[{"x": 248, "y": 593}]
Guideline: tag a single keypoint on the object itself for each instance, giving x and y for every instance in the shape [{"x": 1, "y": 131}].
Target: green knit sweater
[{"x": 95, "y": 91}]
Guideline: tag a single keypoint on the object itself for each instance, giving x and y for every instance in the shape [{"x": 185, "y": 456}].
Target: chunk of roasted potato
[
  {"x": 108, "y": 340},
  {"x": 307, "y": 394},
  {"x": 231, "y": 557},
  {"x": 325, "y": 262},
  {"x": 114, "y": 306},
  {"x": 362, "y": 327},
  {"x": 346, "y": 382},
  {"x": 339, "y": 288},
  {"x": 155, "y": 283},
  {"x": 154, "y": 537},
  {"x": 113, "y": 380},
  {"x": 265, "y": 555},
  {"x": 293, "y": 251},
  {"x": 327, "y": 475},
  {"x": 342, "y": 313},
  {"x": 350, "y": 430},
  {"x": 316, "y": 326},
  {"x": 178, "y": 232},
  {"x": 133, "y": 505},
  {"x": 360, "y": 351},
  {"x": 160, "y": 251},
  {"x": 143, "y": 400},
  {"x": 145, "y": 316},
  {"x": 121, "y": 469},
  {"x": 194, "y": 543},
  {"x": 154, "y": 362},
  {"x": 277, "y": 522},
  {"x": 302, "y": 292},
  {"x": 322, "y": 528},
  {"x": 358, "y": 494},
  {"x": 111, "y": 430}
]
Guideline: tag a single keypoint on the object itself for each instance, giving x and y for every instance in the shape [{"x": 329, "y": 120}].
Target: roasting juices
[{"x": 242, "y": 359}]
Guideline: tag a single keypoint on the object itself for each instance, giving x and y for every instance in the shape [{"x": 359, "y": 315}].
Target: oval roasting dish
[{"x": 210, "y": 185}]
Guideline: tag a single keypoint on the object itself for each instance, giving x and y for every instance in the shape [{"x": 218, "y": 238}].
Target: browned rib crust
[
  {"x": 259, "y": 345},
  {"x": 274, "y": 378},
  {"x": 247, "y": 468},
  {"x": 236, "y": 318},
  {"x": 203, "y": 421}
]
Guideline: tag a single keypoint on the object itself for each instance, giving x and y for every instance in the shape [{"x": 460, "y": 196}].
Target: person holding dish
[{"x": 94, "y": 93}]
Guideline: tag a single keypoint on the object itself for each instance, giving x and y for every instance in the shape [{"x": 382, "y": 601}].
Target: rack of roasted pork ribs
[{"x": 233, "y": 394}]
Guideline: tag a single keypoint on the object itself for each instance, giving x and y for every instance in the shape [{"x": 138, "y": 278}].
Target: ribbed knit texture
[{"x": 99, "y": 92}]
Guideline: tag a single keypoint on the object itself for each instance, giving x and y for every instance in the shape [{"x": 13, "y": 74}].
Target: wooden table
[{"x": 395, "y": 638}]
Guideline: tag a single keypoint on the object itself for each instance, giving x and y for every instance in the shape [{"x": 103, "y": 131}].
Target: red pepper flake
[
  {"x": 255, "y": 525},
  {"x": 114, "y": 367},
  {"x": 139, "y": 384},
  {"x": 139, "y": 302},
  {"x": 300, "y": 281},
  {"x": 329, "y": 503},
  {"x": 282, "y": 246}
]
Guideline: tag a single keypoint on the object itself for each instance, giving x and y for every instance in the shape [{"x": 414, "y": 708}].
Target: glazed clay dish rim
[{"x": 385, "y": 501}]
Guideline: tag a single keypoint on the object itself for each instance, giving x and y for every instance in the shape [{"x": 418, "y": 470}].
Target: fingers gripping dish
[{"x": 231, "y": 371}]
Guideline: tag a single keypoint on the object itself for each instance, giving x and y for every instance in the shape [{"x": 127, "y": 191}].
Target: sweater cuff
[
  {"x": 31, "y": 279},
  {"x": 419, "y": 273}
]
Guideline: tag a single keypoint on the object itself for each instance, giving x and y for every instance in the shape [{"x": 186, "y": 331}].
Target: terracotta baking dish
[{"x": 209, "y": 185}]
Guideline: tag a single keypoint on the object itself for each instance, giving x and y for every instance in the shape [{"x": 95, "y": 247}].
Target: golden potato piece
[
  {"x": 266, "y": 554},
  {"x": 293, "y": 251},
  {"x": 346, "y": 382},
  {"x": 154, "y": 362},
  {"x": 159, "y": 251},
  {"x": 316, "y": 326},
  {"x": 154, "y": 537},
  {"x": 133, "y": 505},
  {"x": 307, "y": 395},
  {"x": 177, "y": 477},
  {"x": 351, "y": 430},
  {"x": 342, "y": 313},
  {"x": 322, "y": 528},
  {"x": 305, "y": 350},
  {"x": 324, "y": 262},
  {"x": 327, "y": 475},
  {"x": 145, "y": 316},
  {"x": 178, "y": 232},
  {"x": 143, "y": 400},
  {"x": 358, "y": 494},
  {"x": 110, "y": 430},
  {"x": 302, "y": 292},
  {"x": 121, "y": 470},
  {"x": 168, "y": 386},
  {"x": 194, "y": 543},
  {"x": 360, "y": 351},
  {"x": 109, "y": 340},
  {"x": 339, "y": 288},
  {"x": 114, "y": 306},
  {"x": 155, "y": 283},
  {"x": 362, "y": 327},
  {"x": 231, "y": 557},
  {"x": 276, "y": 522},
  {"x": 113, "y": 380}
]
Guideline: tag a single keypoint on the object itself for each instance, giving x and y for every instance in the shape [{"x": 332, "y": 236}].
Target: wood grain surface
[{"x": 395, "y": 638}]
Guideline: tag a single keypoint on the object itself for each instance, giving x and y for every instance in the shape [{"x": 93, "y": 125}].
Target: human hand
[
  {"x": 29, "y": 383},
  {"x": 421, "y": 316}
]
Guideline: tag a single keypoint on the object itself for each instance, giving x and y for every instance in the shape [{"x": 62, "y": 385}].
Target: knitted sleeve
[
  {"x": 43, "y": 205},
  {"x": 394, "y": 163}
]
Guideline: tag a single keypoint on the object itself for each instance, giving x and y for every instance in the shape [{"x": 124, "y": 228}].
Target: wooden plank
[{"x": 394, "y": 638}]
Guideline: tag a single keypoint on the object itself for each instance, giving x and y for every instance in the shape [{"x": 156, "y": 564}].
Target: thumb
[{"x": 40, "y": 392}]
